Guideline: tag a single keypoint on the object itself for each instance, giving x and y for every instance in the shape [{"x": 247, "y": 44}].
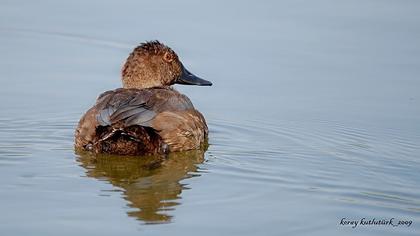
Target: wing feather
[
  {"x": 124, "y": 106},
  {"x": 127, "y": 107}
]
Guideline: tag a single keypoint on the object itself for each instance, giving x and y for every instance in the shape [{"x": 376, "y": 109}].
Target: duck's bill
[{"x": 189, "y": 79}]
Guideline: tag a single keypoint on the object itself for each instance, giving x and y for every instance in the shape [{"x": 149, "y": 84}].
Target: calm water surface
[{"x": 314, "y": 116}]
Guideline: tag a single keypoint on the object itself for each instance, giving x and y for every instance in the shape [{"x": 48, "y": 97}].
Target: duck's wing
[{"x": 125, "y": 107}]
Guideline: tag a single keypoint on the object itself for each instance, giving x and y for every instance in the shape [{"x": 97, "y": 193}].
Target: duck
[{"x": 147, "y": 116}]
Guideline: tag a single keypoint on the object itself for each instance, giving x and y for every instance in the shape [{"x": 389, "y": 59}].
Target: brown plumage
[{"x": 146, "y": 116}]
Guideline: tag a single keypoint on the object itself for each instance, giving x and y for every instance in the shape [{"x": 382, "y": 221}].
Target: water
[{"x": 314, "y": 116}]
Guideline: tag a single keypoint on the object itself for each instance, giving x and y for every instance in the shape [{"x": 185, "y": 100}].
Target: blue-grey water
[{"x": 314, "y": 116}]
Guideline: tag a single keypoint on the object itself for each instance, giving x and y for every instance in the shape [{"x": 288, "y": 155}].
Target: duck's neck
[{"x": 147, "y": 86}]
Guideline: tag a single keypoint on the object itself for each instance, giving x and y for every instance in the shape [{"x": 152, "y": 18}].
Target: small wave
[
  {"x": 332, "y": 160},
  {"x": 22, "y": 137},
  {"x": 70, "y": 36}
]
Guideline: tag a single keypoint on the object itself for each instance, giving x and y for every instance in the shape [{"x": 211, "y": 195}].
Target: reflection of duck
[
  {"x": 146, "y": 116},
  {"x": 151, "y": 185}
]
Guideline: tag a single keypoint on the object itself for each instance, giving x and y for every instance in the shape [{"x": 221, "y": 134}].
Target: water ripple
[
  {"x": 23, "y": 137},
  {"x": 70, "y": 36},
  {"x": 349, "y": 164}
]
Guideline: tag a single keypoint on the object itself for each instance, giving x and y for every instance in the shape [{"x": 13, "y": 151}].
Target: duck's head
[{"x": 152, "y": 64}]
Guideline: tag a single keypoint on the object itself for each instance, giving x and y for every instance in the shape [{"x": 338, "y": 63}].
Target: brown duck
[{"x": 146, "y": 116}]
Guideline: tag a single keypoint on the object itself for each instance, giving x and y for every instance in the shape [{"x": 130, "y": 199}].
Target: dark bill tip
[{"x": 188, "y": 78}]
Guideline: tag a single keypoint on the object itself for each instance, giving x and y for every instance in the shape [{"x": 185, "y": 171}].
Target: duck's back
[{"x": 141, "y": 121}]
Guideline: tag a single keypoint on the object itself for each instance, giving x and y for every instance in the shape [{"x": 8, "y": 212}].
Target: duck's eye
[{"x": 168, "y": 57}]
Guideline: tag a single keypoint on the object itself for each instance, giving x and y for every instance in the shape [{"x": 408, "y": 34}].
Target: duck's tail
[{"x": 133, "y": 140}]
